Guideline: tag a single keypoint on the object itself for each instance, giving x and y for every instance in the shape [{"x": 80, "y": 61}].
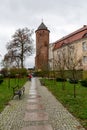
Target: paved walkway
[{"x": 37, "y": 110}]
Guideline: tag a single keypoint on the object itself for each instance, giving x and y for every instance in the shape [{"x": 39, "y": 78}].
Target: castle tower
[{"x": 42, "y": 47}]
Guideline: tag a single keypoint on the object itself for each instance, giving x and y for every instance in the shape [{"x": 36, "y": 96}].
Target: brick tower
[{"x": 42, "y": 47}]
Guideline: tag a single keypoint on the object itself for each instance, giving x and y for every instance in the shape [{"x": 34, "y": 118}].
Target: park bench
[{"x": 18, "y": 91}]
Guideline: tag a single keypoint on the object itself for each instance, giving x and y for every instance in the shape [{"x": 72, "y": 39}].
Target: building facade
[{"x": 70, "y": 50}]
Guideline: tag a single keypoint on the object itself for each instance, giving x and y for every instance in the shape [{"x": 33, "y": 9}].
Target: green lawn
[
  {"x": 6, "y": 91},
  {"x": 77, "y": 106}
]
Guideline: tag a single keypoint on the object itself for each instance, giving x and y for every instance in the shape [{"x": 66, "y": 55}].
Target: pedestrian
[{"x": 30, "y": 76}]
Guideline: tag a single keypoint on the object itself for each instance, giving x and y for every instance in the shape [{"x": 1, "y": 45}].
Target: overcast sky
[{"x": 60, "y": 16}]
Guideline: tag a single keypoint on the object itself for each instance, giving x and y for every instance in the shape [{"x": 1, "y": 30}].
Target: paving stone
[
  {"x": 34, "y": 96},
  {"x": 33, "y": 93},
  {"x": 35, "y": 107},
  {"x": 33, "y": 100},
  {"x": 35, "y": 116},
  {"x": 43, "y": 127}
]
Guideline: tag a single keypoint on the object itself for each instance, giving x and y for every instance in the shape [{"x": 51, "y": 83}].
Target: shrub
[
  {"x": 4, "y": 72},
  {"x": 18, "y": 72},
  {"x": 60, "y": 79},
  {"x": 73, "y": 81},
  {"x": 1, "y": 78},
  {"x": 84, "y": 82}
]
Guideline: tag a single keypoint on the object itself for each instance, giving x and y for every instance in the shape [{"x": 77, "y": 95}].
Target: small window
[
  {"x": 85, "y": 59},
  {"x": 45, "y": 44},
  {"x": 84, "y": 46},
  {"x": 85, "y": 35}
]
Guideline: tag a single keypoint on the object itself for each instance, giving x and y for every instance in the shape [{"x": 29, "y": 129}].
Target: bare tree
[
  {"x": 60, "y": 63},
  {"x": 73, "y": 63},
  {"x": 19, "y": 47}
]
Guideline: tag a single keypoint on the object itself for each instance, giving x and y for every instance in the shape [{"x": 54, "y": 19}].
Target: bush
[
  {"x": 17, "y": 72},
  {"x": 73, "y": 81},
  {"x": 1, "y": 78},
  {"x": 60, "y": 79},
  {"x": 4, "y": 72},
  {"x": 84, "y": 83}
]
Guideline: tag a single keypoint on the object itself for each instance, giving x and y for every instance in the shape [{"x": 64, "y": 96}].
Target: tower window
[
  {"x": 40, "y": 34},
  {"x": 45, "y": 44}
]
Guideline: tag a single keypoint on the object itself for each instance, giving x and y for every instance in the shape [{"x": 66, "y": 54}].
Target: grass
[
  {"x": 6, "y": 91},
  {"x": 77, "y": 106}
]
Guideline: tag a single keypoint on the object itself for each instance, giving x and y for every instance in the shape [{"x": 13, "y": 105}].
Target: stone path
[{"x": 37, "y": 110}]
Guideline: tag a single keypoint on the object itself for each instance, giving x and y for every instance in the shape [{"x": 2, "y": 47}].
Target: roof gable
[{"x": 77, "y": 35}]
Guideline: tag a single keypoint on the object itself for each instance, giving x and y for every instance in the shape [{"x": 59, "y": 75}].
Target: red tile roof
[{"x": 77, "y": 35}]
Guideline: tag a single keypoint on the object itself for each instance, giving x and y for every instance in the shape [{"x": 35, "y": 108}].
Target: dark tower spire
[{"x": 42, "y": 27}]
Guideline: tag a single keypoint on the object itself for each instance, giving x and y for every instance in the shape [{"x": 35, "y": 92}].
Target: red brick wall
[{"x": 42, "y": 45}]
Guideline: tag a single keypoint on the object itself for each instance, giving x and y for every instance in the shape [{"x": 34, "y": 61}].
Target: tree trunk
[
  {"x": 74, "y": 74},
  {"x": 22, "y": 56},
  {"x": 74, "y": 91}
]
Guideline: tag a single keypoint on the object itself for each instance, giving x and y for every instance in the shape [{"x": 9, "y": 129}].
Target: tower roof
[{"x": 42, "y": 27}]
